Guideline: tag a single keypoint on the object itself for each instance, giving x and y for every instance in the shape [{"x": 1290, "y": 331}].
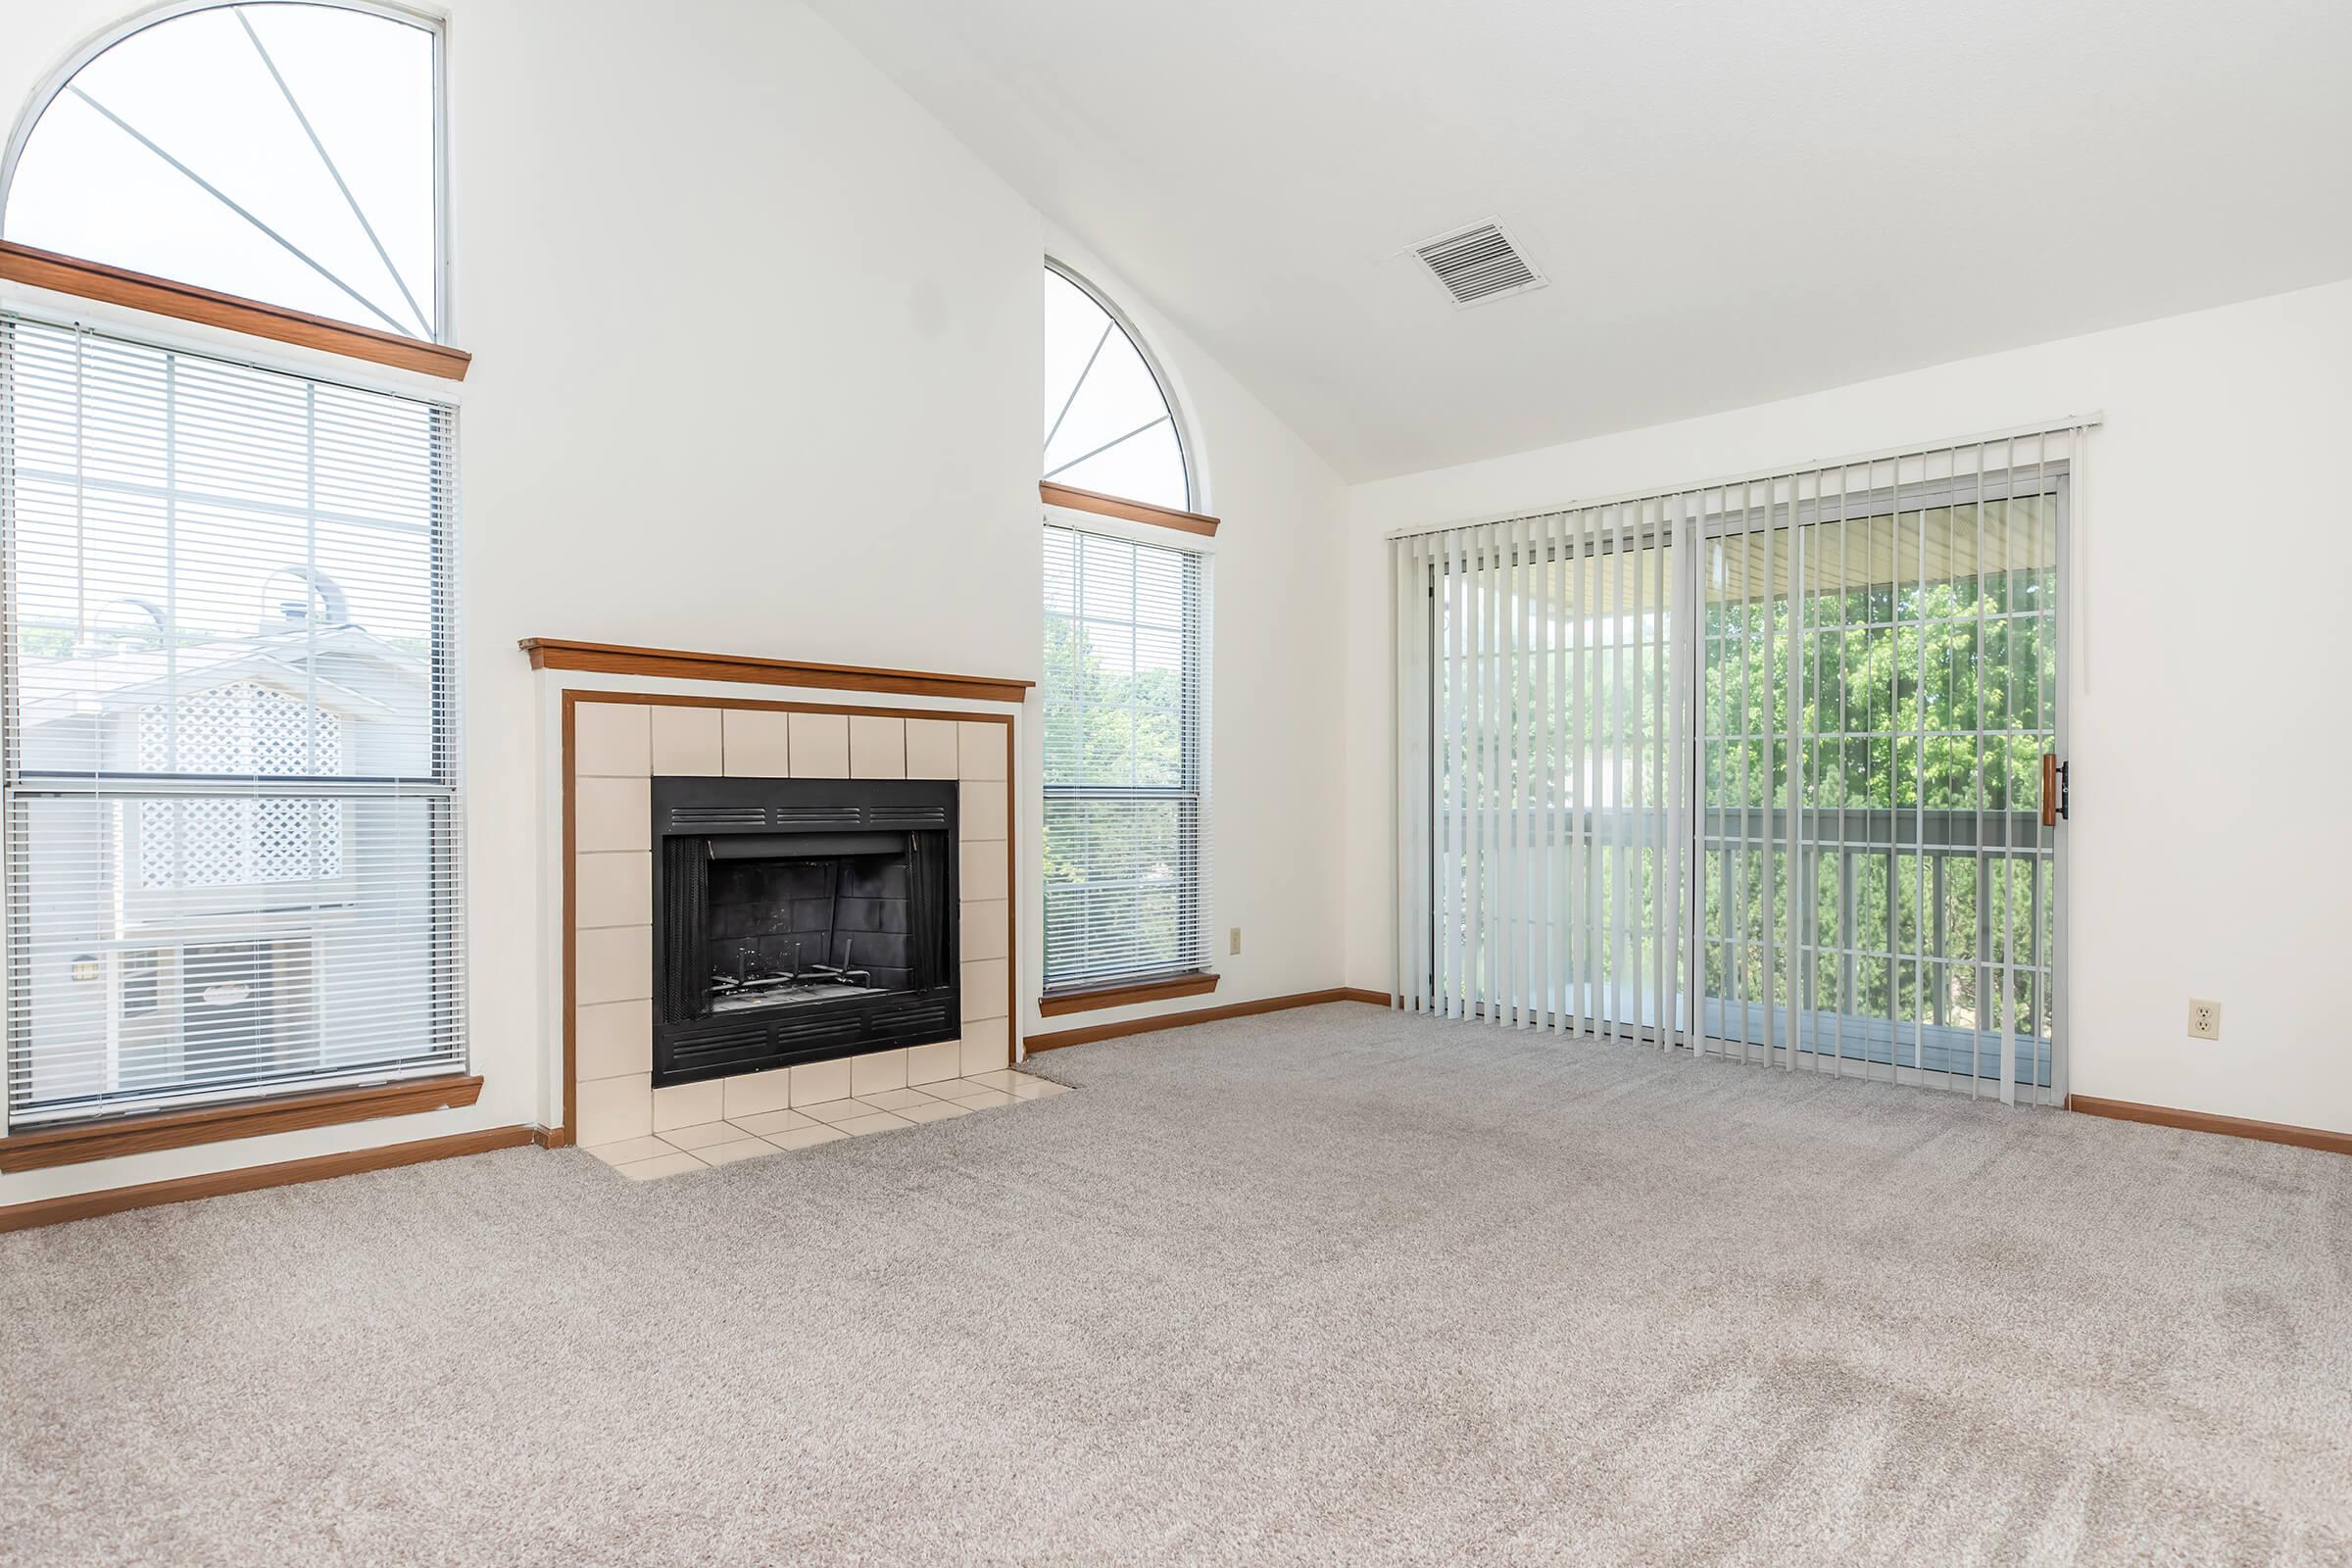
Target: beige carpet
[{"x": 1330, "y": 1287}]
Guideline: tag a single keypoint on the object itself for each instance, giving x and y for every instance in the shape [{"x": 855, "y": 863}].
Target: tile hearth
[{"x": 709, "y": 1144}]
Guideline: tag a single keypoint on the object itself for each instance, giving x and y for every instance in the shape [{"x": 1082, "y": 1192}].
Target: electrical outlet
[
  {"x": 1233, "y": 941},
  {"x": 2204, "y": 1019}
]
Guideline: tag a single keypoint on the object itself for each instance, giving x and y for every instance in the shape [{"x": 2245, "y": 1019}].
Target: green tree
[{"x": 1114, "y": 723}]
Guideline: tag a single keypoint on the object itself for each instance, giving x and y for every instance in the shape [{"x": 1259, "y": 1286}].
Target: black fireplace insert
[{"x": 800, "y": 920}]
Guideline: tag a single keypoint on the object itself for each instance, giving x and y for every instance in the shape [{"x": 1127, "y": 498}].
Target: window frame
[
  {"x": 184, "y": 318},
  {"x": 62, "y": 74},
  {"x": 199, "y": 1113},
  {"x": 1094, "y": 991}
]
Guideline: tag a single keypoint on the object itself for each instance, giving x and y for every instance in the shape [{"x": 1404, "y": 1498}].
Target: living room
[{"x": 1569, "y": 826}]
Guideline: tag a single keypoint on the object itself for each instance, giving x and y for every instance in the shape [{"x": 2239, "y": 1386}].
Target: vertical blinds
[
  {"x": 1126, "y": 764},
  {"x": 230, "y": 737},
  {"x": 1752, "y": 768}
]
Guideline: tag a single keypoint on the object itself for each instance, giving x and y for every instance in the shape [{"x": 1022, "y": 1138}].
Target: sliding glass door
[
  {"x": 1756, "y": 768},
  {"x": 1878, "y": 889}
]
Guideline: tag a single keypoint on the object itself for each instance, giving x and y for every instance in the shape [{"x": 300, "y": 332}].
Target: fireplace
[{"x": 800, "y": 920}]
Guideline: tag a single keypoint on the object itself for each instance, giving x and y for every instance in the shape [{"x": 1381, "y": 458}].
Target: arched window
[
  {"x": 1110, "y": 423},
  {"x": 1126, "y": 903},
  {"x": 282, "y": 152},
  {"x": 232, "y": 790}
]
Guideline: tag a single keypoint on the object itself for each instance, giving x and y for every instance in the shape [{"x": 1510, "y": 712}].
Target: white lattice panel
[{"x": 243, "y": 728}]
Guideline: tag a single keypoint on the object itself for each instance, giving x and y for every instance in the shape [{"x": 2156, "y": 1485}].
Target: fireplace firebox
[{"x": 800, "y": 920}]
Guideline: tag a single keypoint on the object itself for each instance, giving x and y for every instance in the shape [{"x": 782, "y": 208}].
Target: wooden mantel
[{"x": 615, "y": 658}]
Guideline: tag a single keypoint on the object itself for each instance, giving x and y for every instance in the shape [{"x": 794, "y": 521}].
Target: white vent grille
[{"x": 1479, "y": 264}]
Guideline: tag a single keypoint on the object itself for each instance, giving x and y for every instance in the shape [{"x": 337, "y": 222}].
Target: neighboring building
[{"x": 208, "y": 934}]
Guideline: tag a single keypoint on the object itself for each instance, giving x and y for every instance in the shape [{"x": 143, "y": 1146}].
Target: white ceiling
[{"x": 1736, "y": 200}]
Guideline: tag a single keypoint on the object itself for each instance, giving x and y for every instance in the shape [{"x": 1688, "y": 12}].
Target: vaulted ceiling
[{"x": 1735, "y": 200}]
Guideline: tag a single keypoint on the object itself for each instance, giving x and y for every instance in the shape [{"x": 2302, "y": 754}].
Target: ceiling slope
[{"x": 1731, "y": 202}]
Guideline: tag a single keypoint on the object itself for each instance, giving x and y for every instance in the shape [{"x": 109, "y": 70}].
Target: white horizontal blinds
[
  {"x": 230, "y": 777},
  {"x": 1126, "y": 764},
  {"x": 1753, "y": 766}
]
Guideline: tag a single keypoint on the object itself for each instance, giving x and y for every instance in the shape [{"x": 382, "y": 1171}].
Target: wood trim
[
  {"x": 669, "y": 663},
  {"x": 254, "y": 1178},
  {"x": 1090, "y": 1033},
  {"x": 1103, "y": 505},
  {"x": 185, "y": 301},
  {"x": 212, "y": 1124},
  {"x": 1378, "y": 998},
  {"x": 1096, "y": 997},
  {"x": 564, "y": 1136},
  {"x": 963, "y": 715},
  {"x": 2202, "y": 1121},
  {"x": 1014, "y": 1056}
]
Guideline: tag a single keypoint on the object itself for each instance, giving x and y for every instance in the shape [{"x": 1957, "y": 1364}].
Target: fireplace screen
[{"x": 799, "y": 920}]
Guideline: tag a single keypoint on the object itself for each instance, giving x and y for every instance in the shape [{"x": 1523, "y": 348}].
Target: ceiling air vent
[{"x": 1479, "y": 264}]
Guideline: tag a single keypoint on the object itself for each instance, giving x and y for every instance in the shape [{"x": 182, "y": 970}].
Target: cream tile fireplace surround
[{"x": 613, "y": 743}]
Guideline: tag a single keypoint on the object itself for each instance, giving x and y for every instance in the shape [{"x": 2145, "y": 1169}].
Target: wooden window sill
[
  {"x": 1125, "y": 995},
  {"x": 1103, "y": 505},
  {"x": 185, "y": 301},
  {"x": 212, "y": 1124}
]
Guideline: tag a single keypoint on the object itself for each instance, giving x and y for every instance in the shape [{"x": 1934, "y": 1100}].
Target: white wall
[
  {"x": 756, "y": 366},
  {"x": 2211, "y": 847}
]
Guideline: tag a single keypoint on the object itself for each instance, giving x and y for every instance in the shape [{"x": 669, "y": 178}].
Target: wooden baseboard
[
  {"x": 252, "y": 1178},
  {"x": 2200, "y": 1122},
  {"x": 1192, "y": 1015}
]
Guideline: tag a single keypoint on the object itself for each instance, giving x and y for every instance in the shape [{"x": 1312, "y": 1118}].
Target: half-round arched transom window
[
  {"x": 1109, "y": 424},
  {"x": 282, "y": 152}
]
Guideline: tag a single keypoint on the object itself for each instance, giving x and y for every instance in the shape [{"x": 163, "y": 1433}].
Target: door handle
[{"x": 2053, "y": 789}]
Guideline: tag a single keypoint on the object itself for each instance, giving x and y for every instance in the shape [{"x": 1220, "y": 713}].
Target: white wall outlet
[
  {"x": 1233, "y": 941},
  {"x": 2204, "y": 1019}
]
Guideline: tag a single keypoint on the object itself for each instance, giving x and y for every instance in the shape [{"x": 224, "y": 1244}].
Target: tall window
[
  {"x": 1125, "y": 689},
  {"x": 279, "y": 151},
  {"x": 1126, "y": 766},
  {"x": 228, "y": 772},
  {"x": 230, "y": 782}
]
